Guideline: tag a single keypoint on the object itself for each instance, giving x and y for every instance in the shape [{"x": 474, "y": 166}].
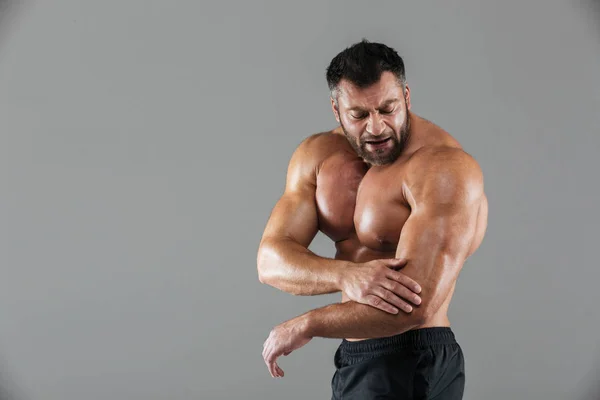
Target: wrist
[
  {"x": 307, "y": 325},
  {"x": 341, "y": 274}
]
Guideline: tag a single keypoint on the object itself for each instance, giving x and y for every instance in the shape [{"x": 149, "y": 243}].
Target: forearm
[
  {"x": 290, "y": 267},
  {"x": 355, "y": 320}
]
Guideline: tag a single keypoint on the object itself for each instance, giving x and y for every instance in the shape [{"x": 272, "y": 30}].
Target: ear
[
  {"x": 407, "y": 96},
  {"x": 334, "y": 108}
]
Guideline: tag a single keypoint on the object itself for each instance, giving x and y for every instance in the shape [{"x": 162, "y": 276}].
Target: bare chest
[{"x": 355, "y": 202}]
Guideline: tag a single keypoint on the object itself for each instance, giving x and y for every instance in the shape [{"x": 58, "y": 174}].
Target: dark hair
[{"x": 363, "y": 63}]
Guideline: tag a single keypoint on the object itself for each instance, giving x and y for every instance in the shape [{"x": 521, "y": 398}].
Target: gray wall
[{"x": 144, "y": 144}]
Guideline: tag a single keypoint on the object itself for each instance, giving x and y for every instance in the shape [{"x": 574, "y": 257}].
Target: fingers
[
  {"x": 402, "y": 292},
  {"x": 265, "y": 355},
  {"x": 271, "y": 361},
  {"x": 279, "y": 371},
  {"x": 393, "y": 299},
  {"x": 405, "y": 281},
  {"x": 270, "y": 357},
  {"x": 395, "y": 262},
  {"x": 379, "y": 303}
]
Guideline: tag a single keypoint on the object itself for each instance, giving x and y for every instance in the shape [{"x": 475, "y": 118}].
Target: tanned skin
[{"x": 405, "y": 206}]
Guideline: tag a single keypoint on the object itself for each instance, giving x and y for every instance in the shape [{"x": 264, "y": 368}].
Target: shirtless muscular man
[{"x": 405, "y": 206}]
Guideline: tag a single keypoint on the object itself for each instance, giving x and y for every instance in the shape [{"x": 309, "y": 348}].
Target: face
[{"x": 375, "y": 119}]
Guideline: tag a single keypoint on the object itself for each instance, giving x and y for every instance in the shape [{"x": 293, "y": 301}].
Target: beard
[{"x": 382, "y": 156}]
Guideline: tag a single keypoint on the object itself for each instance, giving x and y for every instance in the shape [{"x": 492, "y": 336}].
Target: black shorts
[{"x": 424, "y": 363}]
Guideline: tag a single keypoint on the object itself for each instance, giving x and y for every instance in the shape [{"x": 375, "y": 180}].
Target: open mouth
[{"x": 376, "y": 142}]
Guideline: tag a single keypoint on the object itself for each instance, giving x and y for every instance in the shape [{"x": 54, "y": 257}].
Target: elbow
[
  {"x": 263, "y": 276},
  {"x": 270, "y": 270},
  {"x": 265, "y": 265},
  {"x": 262, "y": 267}
]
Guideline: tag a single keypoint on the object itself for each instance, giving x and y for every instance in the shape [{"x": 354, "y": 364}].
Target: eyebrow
[{"x": 385, "y": 103}]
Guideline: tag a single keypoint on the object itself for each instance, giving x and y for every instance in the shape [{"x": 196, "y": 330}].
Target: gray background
[{"x": 144, "y": 144}]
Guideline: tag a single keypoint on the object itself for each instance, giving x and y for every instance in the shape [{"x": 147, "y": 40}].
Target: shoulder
[
  {"x": 311, "y": 152},
  {"x": 316, "y": 144},
  {"x": 317, "y": 147},
  {"x": 444, "y": 174}
]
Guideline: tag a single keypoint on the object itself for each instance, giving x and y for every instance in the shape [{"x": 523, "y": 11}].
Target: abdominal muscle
[{"x": 439, "y": 319}]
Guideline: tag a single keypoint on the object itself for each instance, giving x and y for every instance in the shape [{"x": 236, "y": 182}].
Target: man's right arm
[{"x": 284, "y": 260}]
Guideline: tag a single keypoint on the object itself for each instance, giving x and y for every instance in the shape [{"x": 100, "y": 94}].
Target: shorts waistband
[{"x": 410, "y": 339}]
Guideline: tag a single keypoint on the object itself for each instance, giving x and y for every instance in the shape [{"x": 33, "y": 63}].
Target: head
[{"x": 371, "y": 100}]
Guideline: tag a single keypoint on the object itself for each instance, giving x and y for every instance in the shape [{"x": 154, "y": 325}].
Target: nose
[{"x": 375, "y": 125}]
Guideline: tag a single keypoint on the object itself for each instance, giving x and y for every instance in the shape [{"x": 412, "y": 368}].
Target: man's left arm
[{"x": 444, "y": 188}]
